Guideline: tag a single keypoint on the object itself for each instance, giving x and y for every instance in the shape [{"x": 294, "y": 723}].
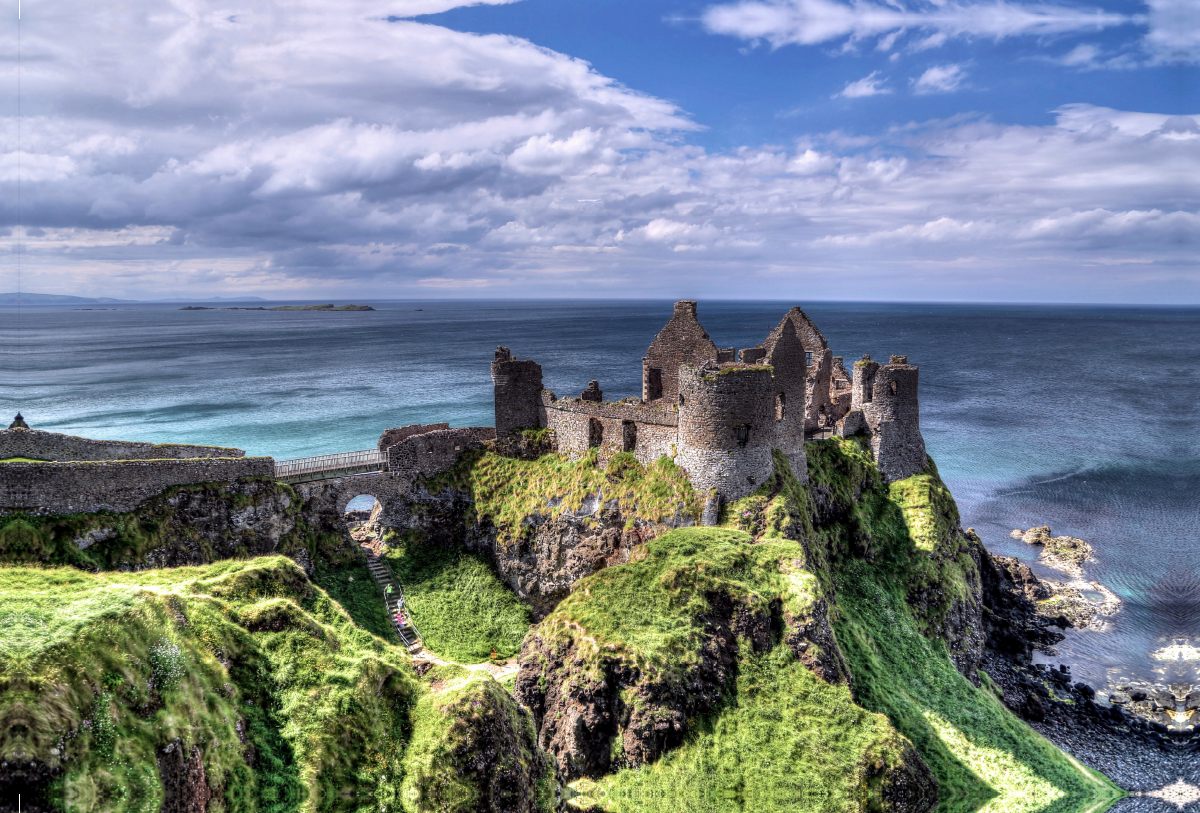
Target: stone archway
[{"x": 325, "y": 501}]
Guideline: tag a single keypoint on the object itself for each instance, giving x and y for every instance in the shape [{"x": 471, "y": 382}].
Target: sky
[{"x": 948, "y": 150}]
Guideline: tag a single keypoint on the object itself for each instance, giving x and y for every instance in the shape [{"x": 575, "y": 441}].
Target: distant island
[{"x": 326, "y": 307}]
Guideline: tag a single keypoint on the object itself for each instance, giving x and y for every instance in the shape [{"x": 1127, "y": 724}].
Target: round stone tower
[
  {"x": 727, "y": 427},
  {"x": 893, "y": 414}
]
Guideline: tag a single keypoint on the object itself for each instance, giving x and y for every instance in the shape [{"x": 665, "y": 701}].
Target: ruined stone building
[{"x": 719, "y": 412}]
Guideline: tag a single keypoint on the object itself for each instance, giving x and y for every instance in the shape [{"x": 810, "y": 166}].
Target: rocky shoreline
[{"x": 1143, "y": 738}]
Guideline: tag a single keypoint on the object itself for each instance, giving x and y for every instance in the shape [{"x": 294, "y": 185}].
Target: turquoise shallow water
[{"x": 1082, "y": 418}]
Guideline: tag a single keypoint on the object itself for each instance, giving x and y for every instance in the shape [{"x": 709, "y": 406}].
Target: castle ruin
[{"x": 719, "y": 413}]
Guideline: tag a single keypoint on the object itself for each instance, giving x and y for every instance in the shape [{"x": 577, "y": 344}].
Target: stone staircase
[{"x": 408, "y": 633}]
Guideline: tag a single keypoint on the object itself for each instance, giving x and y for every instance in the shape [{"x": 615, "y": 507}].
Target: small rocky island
[
  {"x": 746, "y": 590},
  {"x": 327, "y": 307}
]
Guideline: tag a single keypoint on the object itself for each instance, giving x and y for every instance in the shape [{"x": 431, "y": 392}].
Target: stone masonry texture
[
  {"x": 518, "y": 388},
  {"x": 37, "y": 445},
  {"x": 718, "y": 418},
  {"x": 118, "y": 485},
  {"x": 681, "y": 341}
]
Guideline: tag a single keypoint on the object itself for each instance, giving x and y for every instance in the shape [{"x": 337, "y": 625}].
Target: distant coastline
[{"x": 326, "y": 307}]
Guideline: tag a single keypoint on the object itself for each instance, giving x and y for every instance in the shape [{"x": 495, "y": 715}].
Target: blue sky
[
  {"x": 750, "y": 92},
  {"x": 980, "y": 150}
]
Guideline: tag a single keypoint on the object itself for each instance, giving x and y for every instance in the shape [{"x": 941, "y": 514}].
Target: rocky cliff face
[
  {"x": 571, "y": 519},
  {"x": 475, "y": 749},
  {"x": 594, "y": 711}
]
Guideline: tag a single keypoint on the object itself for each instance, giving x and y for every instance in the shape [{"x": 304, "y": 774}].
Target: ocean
[{"x": 1081, "y": 418}]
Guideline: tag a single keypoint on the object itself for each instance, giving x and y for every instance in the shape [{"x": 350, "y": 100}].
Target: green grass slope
[
  {"x": 463, "y": 610},
  {"x": 289, "y": 705},
  {"x": 504, "y": 491},
  {"x": 894, "y": 566}
]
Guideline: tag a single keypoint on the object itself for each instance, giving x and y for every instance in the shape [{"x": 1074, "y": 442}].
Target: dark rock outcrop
[
  {"x": 184, "y": 782},
  {"x": 583, "y": 701}
]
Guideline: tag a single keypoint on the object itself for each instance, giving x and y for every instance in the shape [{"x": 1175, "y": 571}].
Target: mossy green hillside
[
  {"x": 505, "y": 491},
  {"x": 457, "y": 600},
  {"x": 985, "y": 759},
  {"x": 868, "y": 543},
  {"x": 101, "y": 671},
  {"x": 786, "y": 741},
  {"x": 652, "y": 611},
  {"x": 848, "y": 512},
  {"x": 473, "y": 748}
]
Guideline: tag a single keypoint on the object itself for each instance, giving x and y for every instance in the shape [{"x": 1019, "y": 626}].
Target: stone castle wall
[
  {"x": 52, "y": 446},
  {"x": 431, "y": 453},
  {"x": 118, "y": 485},
  {"x": 894, "y": 418},
  {"x": 720, "y": 419},
  {"x": 648, "y": 432},
  {"x": 391, "y": 437},
  {"x": 681, "y": 341}
]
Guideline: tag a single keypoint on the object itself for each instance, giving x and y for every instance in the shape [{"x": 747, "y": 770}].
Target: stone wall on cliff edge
[
  {"x": 119, "y": 486},
  {"x": 52, "y": 446}
]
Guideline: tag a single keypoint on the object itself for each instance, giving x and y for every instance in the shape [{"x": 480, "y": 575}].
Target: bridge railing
[{"x": 329, "y": 462}]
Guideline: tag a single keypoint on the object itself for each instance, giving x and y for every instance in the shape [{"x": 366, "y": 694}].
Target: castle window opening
[
  {"x": 654, "y": 383},
  {"x": 743, "y": 434},
  {"x": 821, "y": 416},
  {"x": 595, "y": 432},
  {"x": 808, "y": 358},
  {"x": 681, "y": 399},
  {"x": 868, "y": 391},
  {"x": 628, "y": 436},
  {"x": 780, "y": 400},
  {"x": 894, "y": 387}
]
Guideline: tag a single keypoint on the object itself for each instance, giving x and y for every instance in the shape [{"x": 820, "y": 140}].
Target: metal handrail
[
  {"x": 329, "y": 462},
  {"x": 400, "y": 589}
]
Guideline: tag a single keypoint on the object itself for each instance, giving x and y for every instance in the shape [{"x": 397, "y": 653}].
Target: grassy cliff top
[
  {"x": 783, "y": 739},
  {"x": 653, "y": 609},
  {"x": 289, "y": 704},
  {"x": 505, "y": 491}
]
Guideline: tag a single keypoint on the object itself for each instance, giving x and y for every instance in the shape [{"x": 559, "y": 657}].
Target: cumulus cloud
[
  {"x": 940, "y": 79},
  {"x": 870, "y": 85},
  {"x": 304, "y": 150}
]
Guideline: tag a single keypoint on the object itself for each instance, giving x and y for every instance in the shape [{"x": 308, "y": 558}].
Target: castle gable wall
[
  {"x": 52, "y": 446},
  {"x": 681, "y": 341}
]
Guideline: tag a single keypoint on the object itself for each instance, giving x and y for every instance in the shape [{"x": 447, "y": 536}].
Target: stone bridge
[{"x": 327, "y": 483}]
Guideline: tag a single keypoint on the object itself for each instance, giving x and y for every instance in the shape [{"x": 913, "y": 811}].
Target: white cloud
[
  {"x": 810, "y": 22},
  {"x": 1169, "y": 30},
  {"x": 1083, "y": 55},
  {"x": 940, "y": 79},
  {"x": 869, "y": 85},
  {"x": 1174, "y": 34}
]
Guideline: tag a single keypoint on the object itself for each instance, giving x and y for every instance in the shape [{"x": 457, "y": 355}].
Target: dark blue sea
[{"x": 1081, "y": 418}]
